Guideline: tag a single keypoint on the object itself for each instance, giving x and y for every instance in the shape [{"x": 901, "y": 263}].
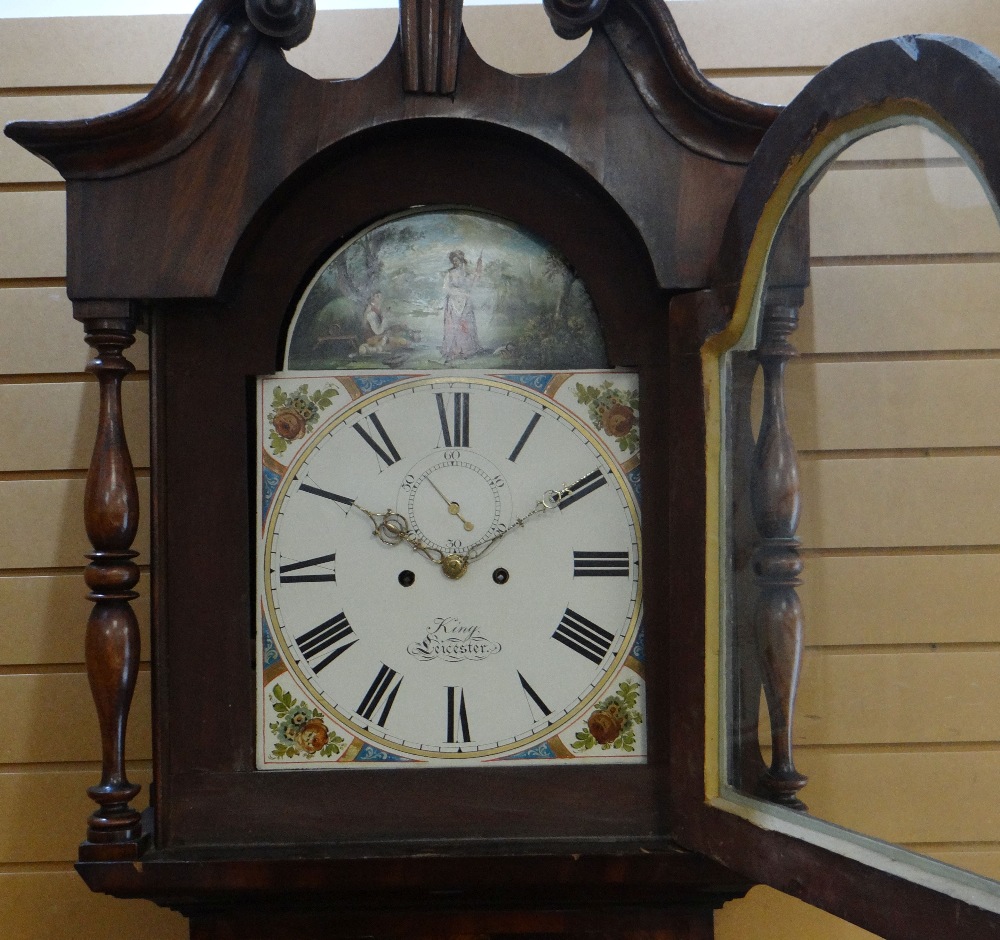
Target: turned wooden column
[
  {"x": 777, "y": 565},
  {"x": 111, "y": 514},
  {"x": 746, "y": 761}
]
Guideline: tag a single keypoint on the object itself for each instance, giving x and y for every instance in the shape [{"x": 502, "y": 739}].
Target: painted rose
[
  {"x": 312, "y": 736},
  {"x": 618, "y": 420},
  {"x": 289, "y": 424},
  {"x": 305, "y": 407},
  {"x": 606, "y": 725}
]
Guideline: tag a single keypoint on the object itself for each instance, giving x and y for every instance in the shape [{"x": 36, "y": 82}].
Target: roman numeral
[
  {"x": 326, "y": 494},
  {"x": 458, "y": 719},
  {"x": 592, "y": 481},
  {"x": 455, "y": 432},
  {"x": 287, "y": 578},
  {"x": 383, "y": 689},
  {"x": 534, "y": 697},
  {"x": 523, "y": 439},
  {"x": 326, "y": 637},
  {"x": 389, "y": 455},
  {"x": 600, "y": 564},
  {"x": 583, "y": 636}
]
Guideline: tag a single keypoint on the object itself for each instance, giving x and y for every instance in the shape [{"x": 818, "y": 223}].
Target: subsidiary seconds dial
[
  {"x": 455, "y": 500},
  {"x": 513, "y": 497}
]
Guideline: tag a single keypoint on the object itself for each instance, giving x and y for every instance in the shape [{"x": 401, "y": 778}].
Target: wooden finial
[
  {"x": 570, "y": 19},
  {"x": 288, "y": 21}
]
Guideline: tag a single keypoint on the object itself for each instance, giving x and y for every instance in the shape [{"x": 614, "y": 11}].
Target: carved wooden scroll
[
  {"x": 431, "y": 33},
  {"x": 776, "y": 503},
  {"x": 111, "y": 514},
  {"x": 216, "y": 46}
]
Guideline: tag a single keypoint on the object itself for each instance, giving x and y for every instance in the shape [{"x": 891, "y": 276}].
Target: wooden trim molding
[
  {"x": 687, "y": 105},
  {"x": 214, "y": 49},
  {"x": 431, "y": 35}
]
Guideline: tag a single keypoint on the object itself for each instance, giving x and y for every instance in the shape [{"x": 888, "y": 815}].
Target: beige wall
[{"x": 891, "y": 401}]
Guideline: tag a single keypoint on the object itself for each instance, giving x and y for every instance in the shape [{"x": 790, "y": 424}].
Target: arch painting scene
[{"x": 445, "y": 288}]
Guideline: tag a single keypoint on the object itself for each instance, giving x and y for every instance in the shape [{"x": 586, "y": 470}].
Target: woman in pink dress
[{"x": 461, "y": 339}]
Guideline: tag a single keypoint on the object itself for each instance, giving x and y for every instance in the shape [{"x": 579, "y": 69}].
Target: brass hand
[
  {"x": 392, "y": 529},
  {"x": 550, "y": 500},
  {"x": 453, "y": 507}
]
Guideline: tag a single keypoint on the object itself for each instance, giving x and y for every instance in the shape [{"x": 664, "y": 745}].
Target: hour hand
[{"x": 391, "y": 528}]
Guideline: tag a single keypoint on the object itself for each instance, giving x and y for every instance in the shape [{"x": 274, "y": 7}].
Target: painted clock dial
[{"x": 449, "y": 569}]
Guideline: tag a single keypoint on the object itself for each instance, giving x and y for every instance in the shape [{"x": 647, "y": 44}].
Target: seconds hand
[{"x": 453, "y": 507}]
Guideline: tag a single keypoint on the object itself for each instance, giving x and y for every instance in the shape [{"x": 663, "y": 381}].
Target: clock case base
[{"x": 443, "y": 891}]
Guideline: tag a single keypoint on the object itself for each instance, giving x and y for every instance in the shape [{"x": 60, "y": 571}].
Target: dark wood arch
[{"x": 473, "y": 164}]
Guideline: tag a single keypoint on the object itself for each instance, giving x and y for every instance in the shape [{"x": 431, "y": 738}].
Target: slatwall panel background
[{"x": 884, "y": 564}]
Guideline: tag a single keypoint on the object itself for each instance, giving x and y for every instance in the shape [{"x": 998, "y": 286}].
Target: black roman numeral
[
  {"x": 326, "y": 637},
  {"x": 389, "y": 455},
  {"x": 523, "y": 439},
  {"x": 456, "y": 431},
  {"x": 583, "y": 636},
  {"x": 600, "y": 564},
  {"x": 328, "y": 560},
  {"x": 534, "y": 697},
  {"x": 326, "y": 494},
  {"x": 592, "y": 481},
  {"x": 458, "y": 719},
  {"x": 383, "y": 689}
]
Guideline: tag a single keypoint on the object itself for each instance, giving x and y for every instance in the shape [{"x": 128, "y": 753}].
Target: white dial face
[{"x": 451, "y": 570}]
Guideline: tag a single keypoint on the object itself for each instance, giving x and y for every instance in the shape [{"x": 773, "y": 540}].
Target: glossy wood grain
[{"x": 18, "y": 166}]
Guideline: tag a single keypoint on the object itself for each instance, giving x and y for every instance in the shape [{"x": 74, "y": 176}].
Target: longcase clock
[{"x": 429, "y": 492}]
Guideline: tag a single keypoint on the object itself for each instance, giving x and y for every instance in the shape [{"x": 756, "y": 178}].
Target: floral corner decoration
[
  {"x": 612, "y": 723},
  {"x": 615, "y": 411},
  {"x": 294, "y": 414},
  {"x": 300, "y": 730}
]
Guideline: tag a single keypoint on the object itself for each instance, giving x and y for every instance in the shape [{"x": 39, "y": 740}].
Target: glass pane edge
[{"x": 946, "y": 879}]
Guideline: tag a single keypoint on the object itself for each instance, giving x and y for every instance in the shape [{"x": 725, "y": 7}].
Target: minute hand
[{"x": 551, "y": 499}]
